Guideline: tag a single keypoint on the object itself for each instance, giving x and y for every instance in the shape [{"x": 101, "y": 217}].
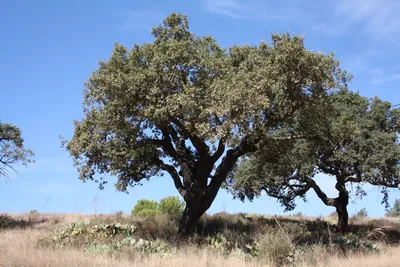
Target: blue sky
[{"x": 48, "y": 49}]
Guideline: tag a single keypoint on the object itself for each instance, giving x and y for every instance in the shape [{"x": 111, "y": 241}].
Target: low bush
[
  {"x": 145, "y": 208},
  {"x": 82, "y": 234},
  {"x": 169, "y": 206},
  {"x": 172, "y": 207}
]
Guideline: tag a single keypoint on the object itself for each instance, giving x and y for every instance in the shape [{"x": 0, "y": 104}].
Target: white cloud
[
  {"x": 380, "y": 77},
  {"x": 256, "y": 10},
  {"x": 378, "y": 18},
  {"x": 57, "y": 165}
]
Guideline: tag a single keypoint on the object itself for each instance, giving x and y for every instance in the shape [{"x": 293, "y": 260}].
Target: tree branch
[
  {"x": 327, "y": 200},
  {"x": 199, "y": 144},
  {"x": 220, "y": 150},
  {"x": 175, "y": 176}
]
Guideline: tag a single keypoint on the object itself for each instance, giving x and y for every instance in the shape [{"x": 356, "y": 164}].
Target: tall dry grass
[{"x": 19, "y": 247}]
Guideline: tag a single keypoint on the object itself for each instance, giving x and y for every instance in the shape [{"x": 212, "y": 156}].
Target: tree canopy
[
  {"x": 183, "y": 105},
  {"x": 359, "y": 145},
  {"x": 12, "y": 150}
]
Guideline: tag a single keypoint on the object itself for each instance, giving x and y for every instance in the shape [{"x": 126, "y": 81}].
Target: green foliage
[
  {"x": 12, "y": 149},
  {"x": 105, "y": 239},
  {"x": 145, "y": 208},
  {"x": 262, "y": 238},
  {"x": 358, "y": 144},
  {"x": 82, "y": 234},
  {"x": 176, "y": 104},
  {"x": 172, "y": 206},
  {"x": 395, "y": 210}
]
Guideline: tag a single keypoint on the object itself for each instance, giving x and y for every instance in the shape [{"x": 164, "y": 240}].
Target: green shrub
[
  {"x": 145, "y": 208},
  {"x": 172, "y": 206},
  {"x": 82, "y": 234}
]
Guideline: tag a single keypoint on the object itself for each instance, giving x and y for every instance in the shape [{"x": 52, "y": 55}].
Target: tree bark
[
  {"x": 343, "y": 217},
  {"x": 188, "y": 221},
  {"x": 341, "y": 203},
  {"x": 196, "y": 206},
  {"x": 198, "y": 195}
]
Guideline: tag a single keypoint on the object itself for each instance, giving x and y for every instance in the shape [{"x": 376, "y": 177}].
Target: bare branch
[
  {"x": 175, "y": 176},
  {"x": 220, "y": 150},
  {"x": 327, "y": 200},
  {"x": 199, "y": 144}
]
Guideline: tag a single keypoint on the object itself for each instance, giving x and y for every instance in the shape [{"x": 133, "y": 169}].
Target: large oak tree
[
  {"x": 183, "y": 105},
  {"x": 358, "y": 145}
]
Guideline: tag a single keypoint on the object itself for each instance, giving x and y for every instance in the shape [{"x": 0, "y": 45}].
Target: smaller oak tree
[
  {"x": 359, "y": 145},
  {"x": 12, "y": 150}
]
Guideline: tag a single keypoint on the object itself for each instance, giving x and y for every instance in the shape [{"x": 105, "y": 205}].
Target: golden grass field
[{"x": 19, "y": 247}]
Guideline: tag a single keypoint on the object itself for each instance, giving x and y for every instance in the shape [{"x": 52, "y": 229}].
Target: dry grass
[{"x": 19, "y": 247}]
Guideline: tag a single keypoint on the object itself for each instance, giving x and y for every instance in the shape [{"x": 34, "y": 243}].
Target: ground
[{"x": 223, "y": 239}]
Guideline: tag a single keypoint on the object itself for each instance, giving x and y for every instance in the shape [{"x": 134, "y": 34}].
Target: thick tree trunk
[
  {"x": 341, "y": 203},
  {"x": 197, "y": 203},
  {"x": 199, "y": 196},
  {"x": 188, "y": 222},
  {"x": 343, "y": 218}
]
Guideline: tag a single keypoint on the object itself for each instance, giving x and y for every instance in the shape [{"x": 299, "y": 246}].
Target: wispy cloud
[
  {"x": 57, "y": 165},
  {"x": 381, "y": 77},
  {"x": 378, "y": 18},
  {"x": 329, "y": 29},
  {"x": 139, "y": 19},
  {"x": 256, "y": 10}
]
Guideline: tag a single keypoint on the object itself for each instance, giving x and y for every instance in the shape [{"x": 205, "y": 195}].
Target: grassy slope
[{"x": 19, "y": 246}]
